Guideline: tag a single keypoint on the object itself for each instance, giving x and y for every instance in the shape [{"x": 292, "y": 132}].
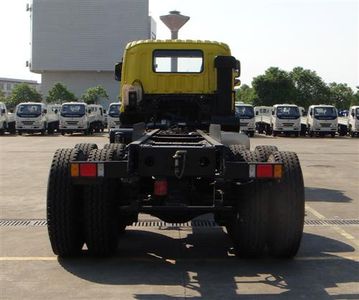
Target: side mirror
[
  {"x": 104, "y": 111},
  {"x": 352, "y": 114},
  {"x": 311, "y": 113},
  {"x": 272, "y": 112},
  {"x": 56, "y": 111},
  {"x": 3, "y": 111},
  {"x": 45, "y": 111},
  {"x": 257, "y": 113},
  {"x": 118, "y": 70}
]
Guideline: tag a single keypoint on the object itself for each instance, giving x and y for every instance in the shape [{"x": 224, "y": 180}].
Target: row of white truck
[
  {"x": 289, "y": 119},
  {"x": 32, "y": 117}
]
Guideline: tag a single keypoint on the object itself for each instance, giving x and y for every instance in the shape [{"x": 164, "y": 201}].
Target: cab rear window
[{"x": 178, "y": 61}]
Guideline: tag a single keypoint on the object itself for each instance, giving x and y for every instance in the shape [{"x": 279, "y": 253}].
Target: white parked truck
[
  {"x": 32, "y": 117},
  {"x": 7, "y": 120},
  {"x": 263, "y": 114},
  {"x": 113, "y": 116},
  {"x": 75, "y": 117},
  {"x": 245, "y": 113},
  {"x": 284, "y": 118},
  {"x": 97, "y": 117},
  {"x": 353, "y": 121},
  {"x": 322, "y": 120}
]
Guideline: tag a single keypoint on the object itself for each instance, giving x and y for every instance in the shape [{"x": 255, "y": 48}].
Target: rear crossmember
[{"x": 166, "y": 154}]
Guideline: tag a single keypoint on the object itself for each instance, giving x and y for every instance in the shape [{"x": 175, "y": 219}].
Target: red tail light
[
  {"x": 88, "y": 170},
  {"x": 264, "y": 171},
  {"x": 161, "y": 187}
]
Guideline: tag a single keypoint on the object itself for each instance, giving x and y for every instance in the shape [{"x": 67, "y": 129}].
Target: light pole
[{"x": 174, "y": 21}]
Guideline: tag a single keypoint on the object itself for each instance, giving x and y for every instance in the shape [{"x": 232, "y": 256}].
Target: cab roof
[{"x": 199, "y": 43}]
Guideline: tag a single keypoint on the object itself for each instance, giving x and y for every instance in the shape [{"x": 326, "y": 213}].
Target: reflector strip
[
  {"x": 75, "y": 172},
  {"x": 100, "y": 170},
  {"x": 88, "y": 170},
  {"x": 264, "y": 171},
  {"x": 252, "y": 171}
]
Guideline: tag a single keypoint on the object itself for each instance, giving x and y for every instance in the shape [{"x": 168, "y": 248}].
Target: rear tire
[
  {"x": 247, "y": 228},
  {"x": 286, "y": 211},
  {"x": 63, "y": 205},
  {"x": 264, "y": 151},
  {"x": 86, "y": 148},
  {"x": 101, "y": 222}
]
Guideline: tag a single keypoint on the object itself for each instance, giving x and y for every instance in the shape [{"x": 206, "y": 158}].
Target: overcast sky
[{"x": 322, "y": 35}]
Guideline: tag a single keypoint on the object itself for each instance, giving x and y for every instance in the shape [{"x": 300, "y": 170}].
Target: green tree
[
  {"x": 22, "y": 93},
  {"x": 59, "y": 94},
  {"x": 246, "y": 94},
  {"x": 341, "y": 95},
  {"x": 275, "y": 86},
  {"x": 93, "y": 95},
  {"x": 309, "y": 88},
  {"x": 2, "y": 96},
  {"x": 355, "y": 99}
]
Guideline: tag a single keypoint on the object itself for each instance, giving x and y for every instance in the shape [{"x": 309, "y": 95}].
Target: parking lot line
[
  {"x": 174, "y": 261},
  {"x": 341, "y": 231}
]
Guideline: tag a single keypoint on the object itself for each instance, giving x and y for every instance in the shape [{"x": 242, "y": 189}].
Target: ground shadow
[
  {"x": 201, "y": 263},
  {"x": 325, "y": 195}
]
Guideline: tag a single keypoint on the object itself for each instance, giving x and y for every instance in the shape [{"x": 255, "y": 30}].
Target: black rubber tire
[
  {"x": 100, "y": 215},
  {"x": 248, "y": 227},
  {"x": 11, "y": 128},
  {"x": 64, "y": 205},
  {"x": 236, "y": 151},
  {"x": 264, "y": 151},
  {"x": 286, "y": 211},
  {"x": 118, "y": 148},
  {"x": 86, "y": 148}
]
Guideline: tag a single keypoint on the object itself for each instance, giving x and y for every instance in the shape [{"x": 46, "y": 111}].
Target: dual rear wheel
[
  {"x": 76, "y": 214},
  {"x": 269, "y": 215}
]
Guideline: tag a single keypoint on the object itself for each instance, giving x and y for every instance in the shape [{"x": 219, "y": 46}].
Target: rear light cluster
[
  {"x": 265, "y": 170},
  {"x": 87, "y": 170}
]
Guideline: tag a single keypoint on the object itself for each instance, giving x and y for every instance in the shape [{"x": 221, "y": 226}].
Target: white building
[
  {"x": 78, "y": 42},
  {"x": 7, "y": 85}
]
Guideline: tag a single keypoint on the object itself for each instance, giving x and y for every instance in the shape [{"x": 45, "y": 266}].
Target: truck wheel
[
  {"x": 118, "y": 148},
  {"x": 101, "y": 220},
  {"x": 286, "y": 210},
  {"x": 63, "y": 205},
  {"x": 11, "y": 128},
  {"x": 86, "y": 148},
  {"x": 332, "y": 134},
  {"x": 264, "y": 151},
  {"x": 237, "y": 149},
  {"x": 50, "y": 129},
  {"x": 247, "y": 228}
]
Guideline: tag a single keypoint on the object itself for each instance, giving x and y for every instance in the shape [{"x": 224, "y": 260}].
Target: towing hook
[{"x": 180, "y": 162}]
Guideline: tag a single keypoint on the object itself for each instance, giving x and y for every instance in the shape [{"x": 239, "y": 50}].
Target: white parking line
[
  {"x": 341, "y": 231},
  {"x": 183, "y": 260}
]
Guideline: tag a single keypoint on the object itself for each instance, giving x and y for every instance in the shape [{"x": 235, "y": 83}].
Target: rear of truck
[{"x": 172, "y": 159}]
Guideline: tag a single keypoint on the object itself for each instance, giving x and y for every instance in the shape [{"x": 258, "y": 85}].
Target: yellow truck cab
[{"x": 165, "y": 82}]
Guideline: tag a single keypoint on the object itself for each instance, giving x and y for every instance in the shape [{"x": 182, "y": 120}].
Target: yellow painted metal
[{"x": 137, "y": 67}]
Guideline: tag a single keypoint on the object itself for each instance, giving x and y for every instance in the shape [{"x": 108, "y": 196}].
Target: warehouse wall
[{"x": 78, "y": 42}]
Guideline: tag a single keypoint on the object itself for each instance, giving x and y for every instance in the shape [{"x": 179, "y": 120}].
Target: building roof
[{"x": 19, "y": 80}]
